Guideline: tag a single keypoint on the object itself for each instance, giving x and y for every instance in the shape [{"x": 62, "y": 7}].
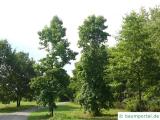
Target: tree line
[{"x": 126, "y": 75}]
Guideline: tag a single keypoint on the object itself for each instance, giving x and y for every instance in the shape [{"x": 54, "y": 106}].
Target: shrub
[
  {"x": 154, "y": 106},
  {"x": 119, "y": 105},
  {"x": 133, "y": 105}
]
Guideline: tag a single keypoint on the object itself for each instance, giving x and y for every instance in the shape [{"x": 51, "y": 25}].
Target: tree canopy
[
  {"x": 95, "y": 92},
  {"x": 16, "y": 71},
  {"x": 53, "y": 79}
]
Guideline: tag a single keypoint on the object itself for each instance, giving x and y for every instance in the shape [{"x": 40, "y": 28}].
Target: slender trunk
[
  {"x": 52, "y": 111},
  {"x": 95, "y": 110},
  {"x": 18, "y": 101},
  {"x": 139, "y": 95}
]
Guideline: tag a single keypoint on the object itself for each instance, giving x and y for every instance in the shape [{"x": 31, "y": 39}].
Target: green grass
[
  {"x": 8, "y": 108},
  {"x": 39, "y": 115},
  {"x": 71, "y": 111}
]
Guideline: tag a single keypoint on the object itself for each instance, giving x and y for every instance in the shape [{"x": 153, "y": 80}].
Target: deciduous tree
[
  {"x": 95, "y": 92},
  {"x": 53, "y": 78}
]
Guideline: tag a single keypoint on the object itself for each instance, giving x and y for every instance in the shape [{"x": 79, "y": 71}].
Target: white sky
[{"x": 20, "y": 20}]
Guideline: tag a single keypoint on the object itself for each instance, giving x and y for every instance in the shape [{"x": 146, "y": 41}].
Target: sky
[{"x": 20, "y": 20}]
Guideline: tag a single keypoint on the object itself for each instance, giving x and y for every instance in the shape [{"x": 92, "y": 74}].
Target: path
[{"x": 23, "y": 115}]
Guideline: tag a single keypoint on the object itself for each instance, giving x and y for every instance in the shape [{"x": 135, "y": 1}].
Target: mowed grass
[
  {"x": 39, "y": 115},
  {"x": 72, "y": 111},
  {"x": 8, "y": 108}
]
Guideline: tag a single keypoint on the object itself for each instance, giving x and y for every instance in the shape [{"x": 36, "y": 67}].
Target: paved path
[
  {"x": 23, "y": 115},
  {"x": 18, "y": 115}
]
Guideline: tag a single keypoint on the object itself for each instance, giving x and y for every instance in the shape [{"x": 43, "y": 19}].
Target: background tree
[
  {"x": 53, "y": 78},
  {"x": 117, "y": 73},
  {"x": 6, "y": 55},
  {"x": 75, "y": 82},
  {"x": 16, "y": 71},
  {"x": 95, "y": 92},
  {"x": 22, "y": 73},
  {"x": 143, "y": 66}
]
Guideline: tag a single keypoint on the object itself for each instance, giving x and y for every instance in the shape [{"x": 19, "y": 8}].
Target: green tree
[
  {"x": 117, "y": 72},
  {"x": 53, "y": 40},
  {"x": 95, "y": 92},
  {"x": 143, "y": 66},
  {"x": 16, "y": 71},
  {"x": 49, "y": 86},
  {"x": 6, "y": 56},
  {"x": 75, "y": 82},
  {"x": 22, "y": 72}
]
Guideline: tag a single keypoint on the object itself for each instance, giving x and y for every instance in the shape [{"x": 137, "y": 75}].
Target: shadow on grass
[
  {"x": 39, "y": 117},
  {"x": 9, "y": 109},
  {"x": 62, "y": 116},
  {"x": 69, "y": 112},
  {"x": 67, "y": 108},
  {"x": 66, "y": 112},
  {"x": 102, "y": 117},
  {"x": 110, "y": 115}
]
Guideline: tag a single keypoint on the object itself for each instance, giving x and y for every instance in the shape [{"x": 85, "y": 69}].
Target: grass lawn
[
  {"x": 39, "y": 115},
  {"x": 7, "y": 108},
  {"x": 71, "y": 111}
]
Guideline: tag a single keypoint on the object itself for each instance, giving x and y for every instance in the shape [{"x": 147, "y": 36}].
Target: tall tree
[
  {"x": 53, "y": 40},
  {"x": 143, "y": 65},
  {"x": 95, "y": 92}
]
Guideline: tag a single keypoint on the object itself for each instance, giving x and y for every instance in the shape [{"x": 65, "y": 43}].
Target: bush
[
  {"x": 154, "y": 106},
  {"x": 119, "y": 105},
  {"x": 133, "y": 105}
]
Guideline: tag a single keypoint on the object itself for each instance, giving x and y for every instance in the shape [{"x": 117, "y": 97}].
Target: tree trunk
[
  {"x": 52, "y": 111},
  {"x": 139, "y": 95},
  {"x": 96, "y": 112},
  {"x": 51, "y": 108},
  {"x": 18, "y": 101}
]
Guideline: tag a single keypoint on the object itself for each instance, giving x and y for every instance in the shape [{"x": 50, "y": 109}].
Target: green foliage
[
  {"x": 22, "y": 73},
  {"x": 133, "y": 104},
  {"x": 5, "y": 68},
  {"x": 75, "y": 82},
  {"x": 117, "y": 71},
  {"x": 49, "y": 88},
  {"x": 153, "y": 105},
  {"x": 16, "y": 70},
  {"x": 53, "y": 40},
  {"x": 52, "y": 80},
  {"x": 91, "y": 33},
  {"x": 94, "y": 92},
  {"x": 134, "y": 62}
]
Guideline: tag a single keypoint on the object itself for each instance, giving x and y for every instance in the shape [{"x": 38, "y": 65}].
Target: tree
[
  {"x": 95, "y": 92},
  {"x": 16, "y": 70},
  {"x": 6, "y": 55},
  {"x": 53, "y": 79},
  {"x": 75, "y": 82},
  {"x": 117, "y": 72},
  {"x": 143, "y": 66},
  {"x": 22, "y": 72},
  {"x": 50, "y": 86}
]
